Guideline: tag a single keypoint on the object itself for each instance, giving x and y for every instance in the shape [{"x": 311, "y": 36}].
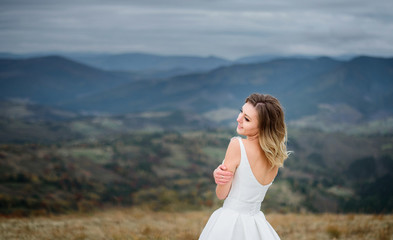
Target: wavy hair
[{"x": 272, "y": 128}]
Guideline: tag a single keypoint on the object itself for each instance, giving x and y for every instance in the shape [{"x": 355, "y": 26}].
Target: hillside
[
  {"x": 172, "y": 170},
  {"x": 221, "y": 88},
  {"x": 147, "y": 62},
  {"x": 136, "y": 65},
  {"x": 22, "y": 122},
  {"x": 53, "y": 79},
  {"x": 56, "y": 162},
  {"x": 362, "y": 86},
  {"x": 352, "y": 91}
]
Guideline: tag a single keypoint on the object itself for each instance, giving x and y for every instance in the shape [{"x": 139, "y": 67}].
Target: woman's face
[{"x": 247, "y": 121}]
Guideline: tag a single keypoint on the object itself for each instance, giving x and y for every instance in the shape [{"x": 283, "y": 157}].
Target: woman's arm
[{"x": 232, "y": 160}]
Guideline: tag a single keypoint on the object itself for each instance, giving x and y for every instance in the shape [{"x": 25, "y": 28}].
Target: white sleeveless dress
[{"x": 240, "y": 217}]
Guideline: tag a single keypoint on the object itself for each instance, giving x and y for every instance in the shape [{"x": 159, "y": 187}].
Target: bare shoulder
[
  {"x": 233, "y": 155},
  {"x": 234, "y": 146}
]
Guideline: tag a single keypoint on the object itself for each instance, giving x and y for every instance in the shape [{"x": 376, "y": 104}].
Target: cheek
[
  {"x": 256, "y": 131},
  {"x": 252, "y": 127}
]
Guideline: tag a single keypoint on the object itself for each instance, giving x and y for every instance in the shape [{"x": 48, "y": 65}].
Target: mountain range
[
  {"x": 138, "y": 62},
  {"x": 351, "y": 91},
  {"x": 149, "y": 62}
]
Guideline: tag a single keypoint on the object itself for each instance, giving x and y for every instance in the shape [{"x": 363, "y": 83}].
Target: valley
[{"x": 75, "y": 138}]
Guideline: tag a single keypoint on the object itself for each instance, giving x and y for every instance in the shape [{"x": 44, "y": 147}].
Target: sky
[{"x": 225, "y": 28}]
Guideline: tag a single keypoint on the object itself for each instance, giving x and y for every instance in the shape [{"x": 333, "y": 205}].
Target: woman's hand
[{"x": 221, "y": 175}]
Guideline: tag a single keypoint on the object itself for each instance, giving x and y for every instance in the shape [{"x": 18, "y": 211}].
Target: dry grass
[
  {"x": 138, "y": 224},
  {"x": 117, "y": 224},
  {"x": 332, "y": 226}
]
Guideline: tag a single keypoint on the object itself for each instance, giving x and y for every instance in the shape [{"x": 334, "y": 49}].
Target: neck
[{"x": 253, "y": 138}]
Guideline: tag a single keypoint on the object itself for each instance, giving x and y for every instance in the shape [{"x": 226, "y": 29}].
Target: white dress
[{"x": 240, "y": 217}]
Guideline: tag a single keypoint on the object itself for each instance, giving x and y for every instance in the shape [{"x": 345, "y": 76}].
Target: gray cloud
[{"x": 230, "y": 28}]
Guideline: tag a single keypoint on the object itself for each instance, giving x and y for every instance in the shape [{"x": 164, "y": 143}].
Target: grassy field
[{"x": 133, "y": 223}]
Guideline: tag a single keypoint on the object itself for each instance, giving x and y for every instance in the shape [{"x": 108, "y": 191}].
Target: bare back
[{"x": 259, "y": 163}]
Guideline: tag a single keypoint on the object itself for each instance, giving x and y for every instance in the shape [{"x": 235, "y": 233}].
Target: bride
[{"x": 247, "y": 172}]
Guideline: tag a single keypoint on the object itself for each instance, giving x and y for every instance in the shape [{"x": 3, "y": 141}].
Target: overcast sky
[{"x": 224, "y": 28}]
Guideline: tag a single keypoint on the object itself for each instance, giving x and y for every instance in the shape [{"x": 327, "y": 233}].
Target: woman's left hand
[{"x": 221, "y": 175}]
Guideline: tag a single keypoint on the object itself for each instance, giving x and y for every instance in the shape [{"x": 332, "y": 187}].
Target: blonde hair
[{"x": 272, "y": 128}]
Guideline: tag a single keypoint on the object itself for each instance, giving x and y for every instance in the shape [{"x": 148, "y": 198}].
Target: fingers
[
  {"x": 223, "y": 167},
  {"x": 221, "y": 176},
  {"x": 222, "y": 170},
  {"x": 222, "y": 181}
]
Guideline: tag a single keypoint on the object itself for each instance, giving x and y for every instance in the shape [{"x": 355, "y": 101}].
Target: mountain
[
  {"x": 257, "y": 59},
  {"x": 52, "y": 79},
  {"x": 223, "y": 87},
  {"x": 135, "y": 65},
  {"x": 7, "y": 55},
  {"x": 310, "y": 89},
  {"x": 269, "y": 57},
  {"x": 364, "y": 83},
  {"x": 363, "y": 86},
  {"x": 134, "y": 62},
  {"x": 148, "y": 62}
]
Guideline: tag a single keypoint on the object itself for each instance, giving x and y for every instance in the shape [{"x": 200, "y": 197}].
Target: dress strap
[
  {"x": 243, "y": 155},
  {"x": 243, "y": 150}
]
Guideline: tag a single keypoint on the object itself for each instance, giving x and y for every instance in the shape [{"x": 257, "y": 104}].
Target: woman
[{"x": 248, "y": 170}]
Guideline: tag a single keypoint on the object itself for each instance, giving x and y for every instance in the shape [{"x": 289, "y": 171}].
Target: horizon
[{"x": 65, "y": 54}]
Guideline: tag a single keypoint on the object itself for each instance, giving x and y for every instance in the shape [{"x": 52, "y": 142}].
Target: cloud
[{"x": 230, "y": 28}]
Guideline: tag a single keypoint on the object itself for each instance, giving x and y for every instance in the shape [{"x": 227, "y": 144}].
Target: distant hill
[
  {"x": 348, "y": 91},
  {"x": 222, "y": 87},
  {"x": 140, "y": 64},
  {"x": 52, "y": 79},
  {"x": 257, "y": 59},
  {"x": 270, "y": 57},
  {"x": 22, "y": 122},
  {"x": 27, "y": 111},
  {"x": 148, "y": 62},
  {"x": 362, "y": 86}
]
